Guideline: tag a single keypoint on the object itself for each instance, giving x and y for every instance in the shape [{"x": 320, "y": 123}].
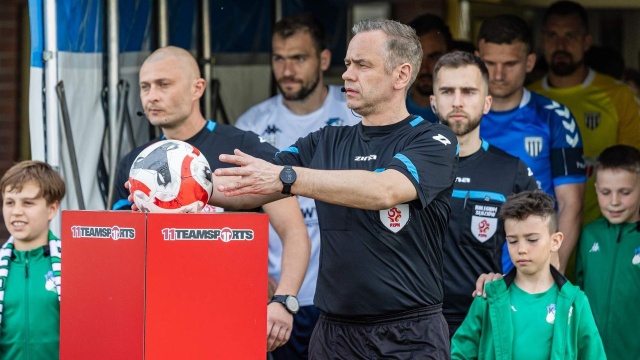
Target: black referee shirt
[
  {"x": 475, "y": 238},
  {"x": 382, "y": 262}
]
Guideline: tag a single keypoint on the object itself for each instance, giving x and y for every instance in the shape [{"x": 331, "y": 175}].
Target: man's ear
[
  {"x": 325, "y": 59},
  {"x": 199, "y": 87},
  {"x": 488, "y": 100},
  {"x": 402, "y": 76},
  {"x": 530, "y": 62},
  {"x": 432, "y": 100}
]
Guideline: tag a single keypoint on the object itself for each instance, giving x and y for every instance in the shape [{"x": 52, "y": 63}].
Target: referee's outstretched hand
[{"x": 256, "y": 175}]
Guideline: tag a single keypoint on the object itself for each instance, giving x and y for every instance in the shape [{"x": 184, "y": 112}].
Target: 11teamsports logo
[
  {"x": 101, "y": 232},
  {"x": 225, "y": 234}
]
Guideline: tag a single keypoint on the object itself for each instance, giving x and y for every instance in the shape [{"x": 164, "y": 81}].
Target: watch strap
[
  {"x": 287, "y": 177},
  {"x": 279, "y": 298},
  {"x": 282, "y": 299}
]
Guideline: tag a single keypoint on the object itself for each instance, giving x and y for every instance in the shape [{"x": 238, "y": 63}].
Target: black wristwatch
[
  {"x": 288, "y": 177},
  {"x": 290, "y": 302}
]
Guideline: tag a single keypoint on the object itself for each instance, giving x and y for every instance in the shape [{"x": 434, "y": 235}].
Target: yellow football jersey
[{"x": 607, "y": 113}]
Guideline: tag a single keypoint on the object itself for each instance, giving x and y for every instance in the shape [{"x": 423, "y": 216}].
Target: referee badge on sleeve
[
  {"x": 395, "y": 218},
  {"x": 484, "y": 222}
]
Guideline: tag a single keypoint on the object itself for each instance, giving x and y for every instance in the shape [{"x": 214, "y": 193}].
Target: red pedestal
[{"x": 160, "y": 286}]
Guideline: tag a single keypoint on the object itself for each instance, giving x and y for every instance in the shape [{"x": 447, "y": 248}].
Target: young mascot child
[
  {"x": 30, "y": 263},
  {"x": 533, "y": 312},
  {"x": 608, "y": 260}
]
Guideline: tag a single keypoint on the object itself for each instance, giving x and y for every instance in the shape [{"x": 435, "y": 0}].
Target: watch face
[
  {"x": 288, "y": 176},
  {"x": 292, "y": 304}
]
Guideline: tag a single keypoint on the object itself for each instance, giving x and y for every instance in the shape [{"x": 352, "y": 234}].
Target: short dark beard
[
  {"x": 565, "y": 68},
  {"x": 460, "y": 131},
  {"x": 303, "y": 93}
]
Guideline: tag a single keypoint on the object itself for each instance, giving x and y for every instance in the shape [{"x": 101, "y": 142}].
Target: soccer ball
[{"x": 170, "y": 176}]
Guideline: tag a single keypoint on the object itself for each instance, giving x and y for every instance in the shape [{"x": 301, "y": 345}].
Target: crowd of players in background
[{"x": 564, "y": 123}]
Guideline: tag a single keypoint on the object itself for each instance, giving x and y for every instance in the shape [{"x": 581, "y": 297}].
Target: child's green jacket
[
  {"x": 608, "y": 270},
  {"x": 487, "y": 331}
]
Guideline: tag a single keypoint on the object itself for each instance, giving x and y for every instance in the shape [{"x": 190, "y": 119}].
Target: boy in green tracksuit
[
  {"x": 533, "y": 312},
  {"x": 608, "y": 260},
  {"x": 30, "y": 263}
]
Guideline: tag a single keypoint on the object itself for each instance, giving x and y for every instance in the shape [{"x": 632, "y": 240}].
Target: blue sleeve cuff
[{"x": 122, "y": 204}]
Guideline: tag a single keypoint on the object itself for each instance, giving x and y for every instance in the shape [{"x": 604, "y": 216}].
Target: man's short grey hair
[{"x": 402, "y": 46}]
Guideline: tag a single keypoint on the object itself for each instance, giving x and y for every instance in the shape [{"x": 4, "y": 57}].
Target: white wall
[{"x": 242, "y": 86}]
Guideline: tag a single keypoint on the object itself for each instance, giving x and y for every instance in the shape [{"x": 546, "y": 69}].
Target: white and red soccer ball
[{"x": 170, "y": 176}]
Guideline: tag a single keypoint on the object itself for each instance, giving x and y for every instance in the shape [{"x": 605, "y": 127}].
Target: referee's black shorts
[{"x": 417, "y": 334}]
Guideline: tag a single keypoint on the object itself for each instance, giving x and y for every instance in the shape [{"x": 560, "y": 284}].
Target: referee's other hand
[{"x": 482, "y": 281}]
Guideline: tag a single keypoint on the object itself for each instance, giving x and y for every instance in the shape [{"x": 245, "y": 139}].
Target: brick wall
[{"x": 10, "y": 61}]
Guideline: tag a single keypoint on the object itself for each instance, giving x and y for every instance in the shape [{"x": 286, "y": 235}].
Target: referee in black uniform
[
  {"x": 382, "y": 189},
  {"x": 486, "y": 176}
]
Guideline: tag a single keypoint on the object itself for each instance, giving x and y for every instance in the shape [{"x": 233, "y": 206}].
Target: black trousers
[{"x": 417, "y": 334}]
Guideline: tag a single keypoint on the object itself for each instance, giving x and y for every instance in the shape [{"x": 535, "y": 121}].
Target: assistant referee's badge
[
  {"x": 395, "y": 218},
  {"x": 484, "y": 222}
]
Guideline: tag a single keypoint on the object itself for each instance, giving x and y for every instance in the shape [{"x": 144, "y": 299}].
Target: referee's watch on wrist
[
  {"x": 288, "y": 177},
  {"x": 290, "y": 302}
]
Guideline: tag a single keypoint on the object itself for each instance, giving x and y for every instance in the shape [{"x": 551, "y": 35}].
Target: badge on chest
[
  {"x": 395, "y": 218},
  {"x": 484, "y": 222}
]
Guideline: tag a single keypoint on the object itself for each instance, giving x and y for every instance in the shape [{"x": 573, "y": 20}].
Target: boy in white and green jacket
[
  {"x": 608, "y": 259},
  {"x": 30, "y": 263},
  {"x": 533, "y": 312}
]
